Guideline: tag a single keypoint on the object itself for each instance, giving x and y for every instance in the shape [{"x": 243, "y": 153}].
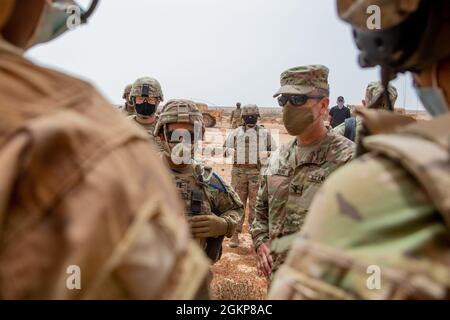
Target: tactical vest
[{"x": 194, "y": 189}]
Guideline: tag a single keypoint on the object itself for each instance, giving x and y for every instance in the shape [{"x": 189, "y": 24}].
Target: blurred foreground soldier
[
  {"x": 251, "y": 144},
  {"x": 351, "y": 127},
  {"x": 298, "y": 168},
  {"x": 127, "y": 108},
  {"x": 212, "y": 207},
  {"x": 380, "y": 227},
  {"x": 145, "y": 97},
  {"x": 235, "y": 118},
  {"x": 73, "y": 196}
]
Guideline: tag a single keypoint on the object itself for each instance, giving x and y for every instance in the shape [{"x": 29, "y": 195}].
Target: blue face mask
[
  {"x": 340, "y": 104},
  {"x": 433, "y": 98}
]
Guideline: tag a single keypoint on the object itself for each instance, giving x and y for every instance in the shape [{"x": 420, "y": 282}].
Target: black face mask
[
  {"x": 145, "y": 109},
  {"x": 250, "y": 119}
]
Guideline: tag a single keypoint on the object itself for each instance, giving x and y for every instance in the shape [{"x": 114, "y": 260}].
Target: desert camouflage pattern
[
  {"x": 218, "y": 198},
  {"x": 247, "y": 169},
  {"x": 179, "y": 111},
  {"x": 154, "y": 88},
  {"x": 393, "y": 12},
  {"x": 293, "y": 177},
  {"x": 127, "y": 91},
  {"x": 79, "y": 188},
  {"x": 373, "y": 90},
  {"x": 150, "y": 129},
  {"x": 236, "y": 119},
  {"x": 245, "y": 181},
  {"x": 303, "y": 80},
  {"x": 250, "y": 110}
]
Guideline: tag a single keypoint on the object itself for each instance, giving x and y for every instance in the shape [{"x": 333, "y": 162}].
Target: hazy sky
[{"x": 217, "y": 51}]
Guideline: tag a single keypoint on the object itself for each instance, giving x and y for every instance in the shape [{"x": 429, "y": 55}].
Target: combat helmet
[
  {"x": 146, "y": 87},
  {"x": 179, "y": 111},
  {"x": 410, "y": 36},
  {"x": 375, "y": 89},
  {"x": 250, "y": 110},
  {"x": 127, "y": 91}
]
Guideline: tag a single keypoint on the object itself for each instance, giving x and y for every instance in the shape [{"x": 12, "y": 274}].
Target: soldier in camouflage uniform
[
  {"x": 127, "y": 108},
  {"x": 251, "y": 144},
  {"x": 78, "y": 188},
  {"x": 379, "y": 229},
  {"x": 145, "y": 97},
  {"x": 212, "y": 207},
  {"x": 298, "y": 168},
  {"x": 235, "y": 119},
  {"x": 351, "y": 127}
]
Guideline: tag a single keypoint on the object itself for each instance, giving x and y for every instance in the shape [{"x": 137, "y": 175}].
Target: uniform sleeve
[
  {"x": 228, "y": 205},
  {"x": 260, "y": 226},
  {"x": 340, "y": 129},
  {"x": 331, "y": 112}
]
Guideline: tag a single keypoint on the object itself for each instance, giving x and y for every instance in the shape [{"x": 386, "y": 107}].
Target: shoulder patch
[{"x": 217, "y": 183}]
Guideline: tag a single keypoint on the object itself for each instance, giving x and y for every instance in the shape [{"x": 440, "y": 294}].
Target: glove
[{"x": 208, "y": 226}]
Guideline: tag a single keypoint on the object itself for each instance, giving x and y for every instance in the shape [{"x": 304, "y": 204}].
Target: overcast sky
[{"x": 216, "y": 51}]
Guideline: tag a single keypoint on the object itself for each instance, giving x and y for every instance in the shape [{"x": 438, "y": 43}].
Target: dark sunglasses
[{"x": 296, "y": 100}]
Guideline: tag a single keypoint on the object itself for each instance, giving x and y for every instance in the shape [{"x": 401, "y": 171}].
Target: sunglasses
[{"x": 296, "y": 100}]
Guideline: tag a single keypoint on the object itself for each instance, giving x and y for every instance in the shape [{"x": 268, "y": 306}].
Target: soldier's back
[{"x": 83, "y": 189}]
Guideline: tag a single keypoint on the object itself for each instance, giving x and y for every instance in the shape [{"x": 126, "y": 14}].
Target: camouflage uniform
[
  {"x": 249, "y": 143},
  {"x": 201, "y": 189},
  {"x": 236, "y": 118},
  {"x": 79, "y": 188},
  {"x": 126, "y": 97},
  {"x": 155, "y": 91},
  {"x": 295, "y": 173},
  {"x": 374, "y": 89},
  {"x": 387, "y": 210}
]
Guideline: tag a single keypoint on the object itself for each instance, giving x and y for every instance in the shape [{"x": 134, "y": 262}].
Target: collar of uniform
[
  {"x": 5, "y": 46},
  {"x": 313, "y": 154}
]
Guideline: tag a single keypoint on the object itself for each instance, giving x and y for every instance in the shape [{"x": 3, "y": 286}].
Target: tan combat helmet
[
  {"x": 179, "y": 111},
  {"x": 126, "y": 92},
  {"x": 250, "y": 110},
  {"x": 45, "y": 20},
  {"x": 145, "y": 87},
  {"x": 375, "y": 89}
]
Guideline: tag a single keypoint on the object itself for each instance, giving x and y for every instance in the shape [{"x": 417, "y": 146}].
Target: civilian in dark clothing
[{"x": 339, "y": 113}]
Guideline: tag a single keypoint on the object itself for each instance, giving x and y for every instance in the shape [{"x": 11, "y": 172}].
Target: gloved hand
[{"x": 208, "y": 226}]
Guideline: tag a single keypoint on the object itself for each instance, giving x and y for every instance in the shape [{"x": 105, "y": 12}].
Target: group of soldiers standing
[{"x": 82, "y": 189}]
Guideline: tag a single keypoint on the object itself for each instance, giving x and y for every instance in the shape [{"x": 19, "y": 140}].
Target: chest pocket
[
  {"x": 306, "y": 182},
  {"x": 194, "y": 198}
]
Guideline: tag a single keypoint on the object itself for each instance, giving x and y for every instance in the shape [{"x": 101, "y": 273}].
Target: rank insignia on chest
[
  {"x": 283, "y": 172},
  {"x": 297, "y": 189},
  {"x": 316, "y": 177}
]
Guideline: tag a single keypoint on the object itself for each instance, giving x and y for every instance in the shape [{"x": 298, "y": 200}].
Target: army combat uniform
[
  {"x": 386, "y": 215},
  {"x": 201, "y": 189},
  {"x": 204, "y": 192},
  {"x": 295, "y": 173},
  {"x": 236, "y": 118},
  {"x": 154, "y": 90},
  {"x": 248, "y": 144}
]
